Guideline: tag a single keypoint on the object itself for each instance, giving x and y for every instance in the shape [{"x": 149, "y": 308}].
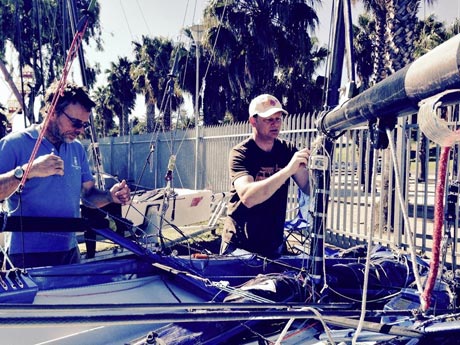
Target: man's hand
[
  {"x": 298, "y": 161},
  {"x": 47, "y": 165},
  {"x": 120, "y": 192}
]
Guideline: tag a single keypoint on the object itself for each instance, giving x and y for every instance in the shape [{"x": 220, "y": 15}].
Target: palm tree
[
  {"x": 213, "y": 101},
  {"x": 401, "y": 32},
  {"x": 299, "y": 76},
  {"x": 454, "y": 29},
  {"x": 363, "y": 47},
  {"x": 104, "y": 99},
  {"x": 429, "y": 34},
  {"x": 263, "y": 45},
  {"x": 121, "y": 86},
  {"x": 379, "y": 12},
  {"x": 150, "y": 73},
  {"x": 395, "y": 23}
]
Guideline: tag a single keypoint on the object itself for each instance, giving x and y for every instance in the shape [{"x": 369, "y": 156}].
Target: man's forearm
[
  {"x": 8, "y": 184},
  {"x": 260, "y": 191},
  {"x": 96, "y": 198}
]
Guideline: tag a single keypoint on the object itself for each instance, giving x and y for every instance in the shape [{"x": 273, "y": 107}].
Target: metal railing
[{"x": 355, "y": 206}]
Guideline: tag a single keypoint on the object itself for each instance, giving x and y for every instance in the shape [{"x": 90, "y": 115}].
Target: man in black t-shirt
[{"x": 260, "y": 169}]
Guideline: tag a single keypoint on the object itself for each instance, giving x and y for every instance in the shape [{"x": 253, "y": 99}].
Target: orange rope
[
  {"x": 73, "y": 50},
  {"x": 437, "y": 231}
]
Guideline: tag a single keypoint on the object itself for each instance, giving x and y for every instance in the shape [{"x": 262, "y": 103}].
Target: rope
[
  {"x": 320, "y": 318},
  {"x": 437, "y": 231},
  {"x": 404, "y": 211},
  {"x": 368, "y": 259},
  {"x": 73, "y": 50}
]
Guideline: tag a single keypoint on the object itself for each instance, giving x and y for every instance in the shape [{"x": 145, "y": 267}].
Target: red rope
[
  {"x": 73, "y": 50},
  {"x": 437, "y": 231}
]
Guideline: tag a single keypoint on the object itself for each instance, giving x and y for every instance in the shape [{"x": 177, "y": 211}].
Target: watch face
[{"x": 18, "y": 172}]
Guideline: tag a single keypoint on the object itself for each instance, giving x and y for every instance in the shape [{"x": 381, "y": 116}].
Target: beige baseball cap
[{"x": 265, "y": 105}]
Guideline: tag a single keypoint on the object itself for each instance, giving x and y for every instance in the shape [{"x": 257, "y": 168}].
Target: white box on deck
[{"x": 188, "y": 206}]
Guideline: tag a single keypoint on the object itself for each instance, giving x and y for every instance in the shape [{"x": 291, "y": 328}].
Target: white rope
[
  {"x": 404, "y": 212},
  {"x": 320, "y": 318},
  {"x": 368, "y": 258}
]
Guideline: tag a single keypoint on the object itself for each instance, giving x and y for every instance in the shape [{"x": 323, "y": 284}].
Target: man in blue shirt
[{"x": 58, "y": 179}]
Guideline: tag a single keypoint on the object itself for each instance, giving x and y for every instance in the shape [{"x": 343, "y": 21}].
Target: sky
[{"x": 124, "y": 21}]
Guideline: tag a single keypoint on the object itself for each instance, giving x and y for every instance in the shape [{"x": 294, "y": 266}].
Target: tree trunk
[
  {"x": 150, "y": 115},
  {"x": 125, "y": 122},
  {"x": 12, "y": 85}
]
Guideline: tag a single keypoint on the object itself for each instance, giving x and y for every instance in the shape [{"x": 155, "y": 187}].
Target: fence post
[{"x": 401, "y": 156}]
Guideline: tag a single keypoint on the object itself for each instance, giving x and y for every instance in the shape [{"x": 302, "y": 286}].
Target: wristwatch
[{"x": 19, "y": 172}]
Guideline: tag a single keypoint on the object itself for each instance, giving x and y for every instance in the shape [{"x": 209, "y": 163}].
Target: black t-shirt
[{"x": 262, "y": 225}]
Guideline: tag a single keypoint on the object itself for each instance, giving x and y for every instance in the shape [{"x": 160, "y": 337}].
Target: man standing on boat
[
  {"x": 58, "y": 179},
  {"x": 260, "y": 169}
]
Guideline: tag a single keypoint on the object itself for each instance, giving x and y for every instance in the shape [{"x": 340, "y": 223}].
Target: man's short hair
[{"x": 72, "y": 93}]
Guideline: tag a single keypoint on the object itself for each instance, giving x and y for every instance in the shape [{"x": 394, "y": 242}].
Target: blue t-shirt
[{"x": 53, "y": 196}]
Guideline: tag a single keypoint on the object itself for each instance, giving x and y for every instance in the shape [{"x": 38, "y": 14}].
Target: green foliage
[
  {"x": 363, "y": 35},
  {"x": 121, "y": 88},
  {"x": 427, "y": 34},
  {"x": 40, "y": 32},
  {"x": 138, "y": 126},
  {"x": 152, "y": 77},
  {"x": 430, "y": 33},
  {"x": 262, "y": 46},
  {"x": 104, "y": 113}
]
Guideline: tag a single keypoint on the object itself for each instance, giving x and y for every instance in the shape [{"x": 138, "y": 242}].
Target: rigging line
[
  {"x": 153, "y": 260},
  {"x": 158, "y": 127},
  {"x": 39, "y": 33},
  {"x": 143, "y": 17},
  {"x": 328, "y": 59},
  {"x": 181, "y": 37},
  {"x": 19, "y": 47},
  {"x": 126, "y": 19},
  {"x": 167, "y": 101},
  {"x": 64, "y": 26},
  {"x": 329, "y": 164},
  {"x": 213, "y": 50},
  {"x": 182, "y": 83},
  {"x": 49, "y": 31},
  {"x": 194, "y": 10},
  {"x": 107, "y": 214},
  {"x": 183, "y": 20},
  {"x": 368, "y": 258}
]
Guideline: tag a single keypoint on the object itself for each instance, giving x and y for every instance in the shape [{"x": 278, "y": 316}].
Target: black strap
[{"x": 42, "y": 224}]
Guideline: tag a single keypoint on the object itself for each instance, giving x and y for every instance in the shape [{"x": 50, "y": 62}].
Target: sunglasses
[{"x": 76, "y": 123}]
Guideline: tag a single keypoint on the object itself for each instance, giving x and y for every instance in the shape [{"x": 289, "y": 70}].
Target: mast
[
  {"x": 96, "y": 154},
  {"x": 323, "y": 148}
]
